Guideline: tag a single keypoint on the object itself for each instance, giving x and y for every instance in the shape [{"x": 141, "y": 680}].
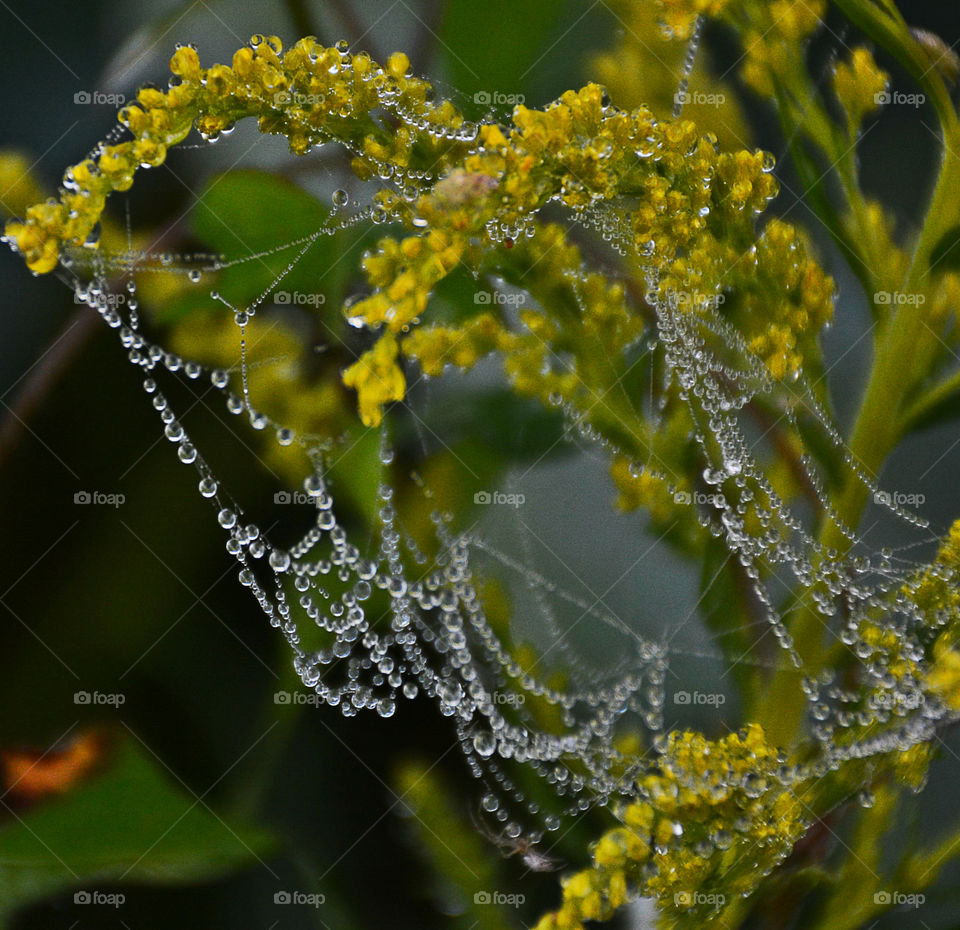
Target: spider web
[{"x": 371, "y": 622}]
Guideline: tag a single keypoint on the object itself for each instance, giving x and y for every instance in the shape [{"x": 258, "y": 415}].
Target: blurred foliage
[{"x": 98, "y": 616}]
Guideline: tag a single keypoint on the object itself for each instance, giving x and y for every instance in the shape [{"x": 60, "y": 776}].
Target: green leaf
[
  {"x": 245, "y": 213},
  {"x": 356, "y": 471},
  {"x": 131, "y": 824},
  {"x": 506, "y": 57}
]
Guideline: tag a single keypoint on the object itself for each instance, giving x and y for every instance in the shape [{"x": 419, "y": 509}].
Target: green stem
[{"x": 878, "y": 427}]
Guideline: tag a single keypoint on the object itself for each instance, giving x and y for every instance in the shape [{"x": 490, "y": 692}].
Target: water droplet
[{"x": 485, "y": 743}]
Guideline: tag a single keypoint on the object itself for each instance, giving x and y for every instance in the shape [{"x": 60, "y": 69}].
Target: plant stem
[{"x": 879, "y": 425}]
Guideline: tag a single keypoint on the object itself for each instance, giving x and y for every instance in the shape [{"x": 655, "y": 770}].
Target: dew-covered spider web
[{"x": 374, "y": 619}]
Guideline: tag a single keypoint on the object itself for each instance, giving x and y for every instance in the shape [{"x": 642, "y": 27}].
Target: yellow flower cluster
[
  {"x": 435, "y": 347},
  {"x": 377, "y": 379},
  {"x": 937, "y": 595},
  {"x": 645, "y": 65},
  {"x": 579, "y": 317},
  {"x": 768, "y": 31},
  {"x": 691, "y": 210},
  {"x": 677, "y": 17},
  {"x": 858, "y": 84},
  {"x": 714, "y": 820},
  {"x": 643, "y": 490},
  {"x": 583, "y": 152},
  {"x": 310, "y": 94},
  {"x": 778, "y": 295},
  {"x": 772, "y": 35}
]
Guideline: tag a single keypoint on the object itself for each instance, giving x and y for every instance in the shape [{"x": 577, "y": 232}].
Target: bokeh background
[{"x": 200, "y": 799}]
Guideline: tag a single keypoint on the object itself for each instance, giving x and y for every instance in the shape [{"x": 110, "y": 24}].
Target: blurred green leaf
[
  {"x": 502, "y": 62},
  {"x": 355, "y": 470},
  {"x": 244, "y": 213},
  {"x": 131, "y": 824},
  {"x": 463, "y": 874},
  {"x": 508, "y": 428}
]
